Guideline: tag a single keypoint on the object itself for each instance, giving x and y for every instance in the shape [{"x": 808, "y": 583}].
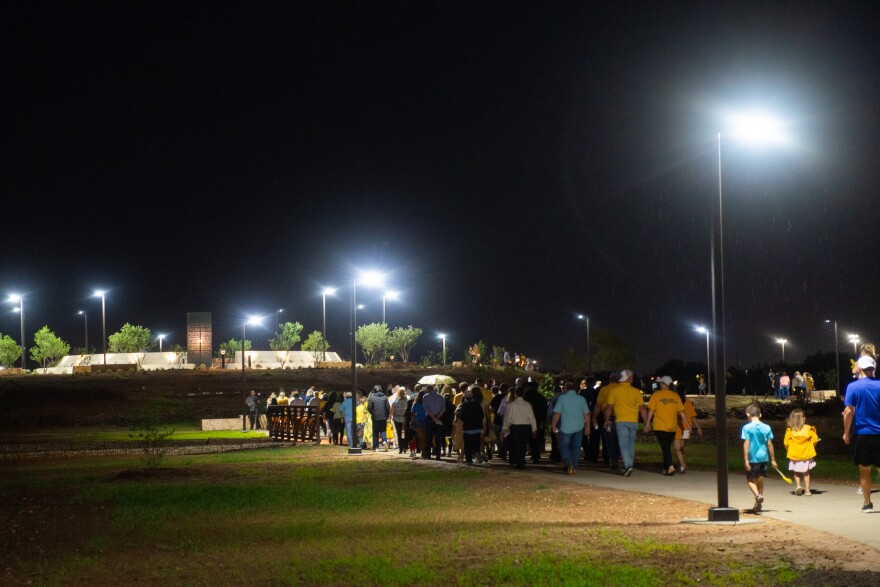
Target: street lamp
[
  {"x": 443, "y": 338},
  {"x": 85, "y": 316},
  {"x": 391, "y": 295},
  {"x": 160, "y": 337},
  {"x": 102, "y": 294},
  {"x": 853, "y": 338},
  {"x": 782, "y": 341},
  {"x": 327, "y": 291},
  {"x": 586, "y": 319},
  {"x": 17, "y": 299},
  {"x": 367, "y": 279},
  {"x": 278, "y": 311},
  {"x": 704, "y": 330},
  {"x": 244, "y": 324},
  {"x": 752, "y": 128},
  {"x": 836, "y": 354}
]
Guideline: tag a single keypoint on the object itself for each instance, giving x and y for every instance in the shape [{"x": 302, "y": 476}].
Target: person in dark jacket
[
  {"x": 473, "y": 419},
  {"x": 379, "y": 409}
]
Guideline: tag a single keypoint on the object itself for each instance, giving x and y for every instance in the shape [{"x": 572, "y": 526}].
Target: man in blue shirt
[
  {"x": 571, "y": 421},
  {"x": 862, "y": 414}
]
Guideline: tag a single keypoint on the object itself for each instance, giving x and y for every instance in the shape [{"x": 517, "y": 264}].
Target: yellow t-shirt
[
  {"x": 458, "y": 398},
  {"x": 666, "y": 405},
  {"x": 359, "y": 412},
  {"x": 625, "y": 401},
  {"x": 604, "y": 392},
  {"x": 691, "y": 412}
]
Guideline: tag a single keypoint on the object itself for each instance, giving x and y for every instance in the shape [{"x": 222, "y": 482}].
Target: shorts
[
  {"x": 867, "y": 451},
  {"x": 758, "y": 470}
]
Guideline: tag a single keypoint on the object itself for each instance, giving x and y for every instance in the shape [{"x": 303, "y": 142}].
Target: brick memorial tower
[{"x": 199, "y": 348}]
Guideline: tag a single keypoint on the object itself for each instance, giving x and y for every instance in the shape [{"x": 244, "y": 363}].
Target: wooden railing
[{"x": 294, "y": 423}]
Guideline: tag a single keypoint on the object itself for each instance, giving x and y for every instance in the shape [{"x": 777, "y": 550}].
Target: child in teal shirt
[{"x": 757, "y": 450}]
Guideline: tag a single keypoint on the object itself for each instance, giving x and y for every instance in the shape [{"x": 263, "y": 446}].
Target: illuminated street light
[
  {"x": 754, "y": 128},
  {"x": 327, "y": 291},
  {"x": 586, "y": 319},
  {"x": 854, "y": 339},
  {"x": 17, "y": 299},
  {"x": 391, "y": 295},
  {"x": 443, "y": 338},
  {"x": 278, "y": 311},
  {"x": 704, "y": 330},
  {"x": 249, "y": 320},
  {"x": 85, "y": 316},
  {"x": 100, "y": 293},
  {"x": 366, "y": 279},
  {"x": 782, "y": 341},
  {"x": 160, "y": 338}
]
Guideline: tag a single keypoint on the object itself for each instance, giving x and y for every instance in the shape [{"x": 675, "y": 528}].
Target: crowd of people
[{"x": 476, "y": 422}]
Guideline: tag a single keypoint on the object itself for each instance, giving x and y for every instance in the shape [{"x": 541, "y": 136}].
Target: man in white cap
[
  {"x": 664, "y": 410},
  {"x": 627, "y": 404},
  {"x": 862, "y": 414}
]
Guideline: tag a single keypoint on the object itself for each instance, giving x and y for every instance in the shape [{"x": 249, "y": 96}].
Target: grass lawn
[
  {"x": 312, "y": 515},
  {"x": 182, "y": 431}
]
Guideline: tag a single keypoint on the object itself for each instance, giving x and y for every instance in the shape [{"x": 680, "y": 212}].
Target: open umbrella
[{"x": 437, "y": 380}]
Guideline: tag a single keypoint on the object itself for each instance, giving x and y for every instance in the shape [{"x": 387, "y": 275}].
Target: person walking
[
  {"x": 434, "y": 405},
  {"x": 664, "y": 410},
  {"x": 379, "y": 410},
  {"x": 757, "y": 450},
  {"x": 862, "y": 416},
  {"x": 684, "y": 433},
  {"x": 626, "y": 404},
  {"x": 519, "y": 425},
  {"x": 610, "y": 446},
  {"x": 570, "y": 423},
  {"x": 800, "y": 442},
  {"x": 252, "y": 403},
  {"x": 398, "y": 416}
]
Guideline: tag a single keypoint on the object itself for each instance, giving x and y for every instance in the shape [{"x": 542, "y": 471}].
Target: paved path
[{"x": 832, "y": 508}]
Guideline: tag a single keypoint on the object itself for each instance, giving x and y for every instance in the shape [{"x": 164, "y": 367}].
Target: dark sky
[{"x": 507, "y": 164}]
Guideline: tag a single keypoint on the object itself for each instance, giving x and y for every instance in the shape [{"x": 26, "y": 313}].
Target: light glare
[{"x": 756, "y": 128}]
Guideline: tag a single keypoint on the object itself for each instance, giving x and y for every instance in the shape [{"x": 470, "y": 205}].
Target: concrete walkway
[{"x": 832, "y": 508}]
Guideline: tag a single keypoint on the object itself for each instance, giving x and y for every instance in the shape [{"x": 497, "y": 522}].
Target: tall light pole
[
  {"x": 836, "y": 354},
  {"x": 704, "y": 330},
  {"x": 443, "y": 338},
  {"x": 278, "y": 311},
  {"x": 854, "y": 339},
  {"x": 101, "y": 294},
  {"x": 586, "y": 319},
  {"x": 391, "y": 295},
  {"x": 327, "y": 291},
  {"x": 752, "y": 128},
  {"x": 85, "y": 316},
  {"x": 244, "y": 324},
  {"x": 17, "y": 299},
  {"x": 368, "y": 279},
  {"x": 160, "y": 337},
  {"x": 782, "y": 341}
]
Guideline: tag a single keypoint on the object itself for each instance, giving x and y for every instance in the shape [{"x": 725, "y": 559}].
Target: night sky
[{"x": 507, "y": 164}]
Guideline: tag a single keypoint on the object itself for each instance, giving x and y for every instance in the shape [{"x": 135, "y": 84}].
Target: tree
[
  {"x": 131, "y": 339},
  {"x": 573, "y": 362},
  {"x": 48, "y": 349},
  {"x": 179, "y": 352},
  {"x": 10, "y": 351},
  {"x": 402, "y": 341},
  {"x": 373, "y": 339},
  {"x": 233, "y": 345},
  {"x": 316, "y": 344},
  {"x": 497, "y": 356},
  {"x": 285, "y": 339},
  {"x": 612, "y": 353}
]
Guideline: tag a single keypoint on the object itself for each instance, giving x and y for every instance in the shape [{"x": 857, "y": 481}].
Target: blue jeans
[
  {"x": 570, "y": 447},
  {"x": 433, "y": 438},
  {"x": 626, "y": 438},
  {"x": 352, "y": 437},
  {"x": 380, "y": 430}
]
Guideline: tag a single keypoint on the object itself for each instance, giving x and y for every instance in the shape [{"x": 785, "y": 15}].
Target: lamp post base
[
  {"x": 354, "y": 451},
  {"x": 719, "y": 514}
]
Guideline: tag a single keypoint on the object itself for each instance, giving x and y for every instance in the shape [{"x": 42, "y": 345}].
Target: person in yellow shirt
[
  {"x": 684, "y": 433},
  {"x": 610, "y": 448},
  {"x": 800, "y": 442},
  {"x": 664, "y": 410},
  {"x": 627, "y": 404}
]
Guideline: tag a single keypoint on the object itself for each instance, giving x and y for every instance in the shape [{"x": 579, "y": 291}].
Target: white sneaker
[{"x": 859, "y": 490}]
